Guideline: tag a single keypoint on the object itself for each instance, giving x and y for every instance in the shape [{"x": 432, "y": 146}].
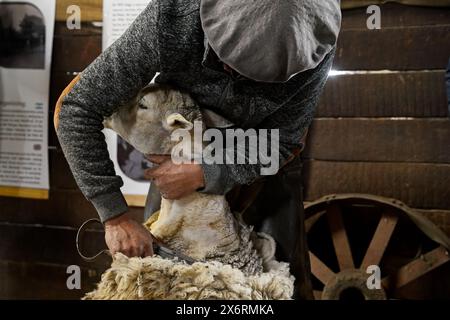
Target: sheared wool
[{"x": 158, "y": 278}]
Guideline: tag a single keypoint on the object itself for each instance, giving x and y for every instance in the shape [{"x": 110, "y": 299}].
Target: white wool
[{"x": 158, "y": 278}]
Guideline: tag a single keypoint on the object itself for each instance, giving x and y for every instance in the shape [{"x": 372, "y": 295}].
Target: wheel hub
[{"x": 351, "y": 284}]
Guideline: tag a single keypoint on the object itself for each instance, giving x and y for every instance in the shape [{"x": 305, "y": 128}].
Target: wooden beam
[
  {"x": 50, "y": 244},
  {"x": 380, "y": 240},
  {"x": 349, "y": 4},
  {"x": 417, "y": 268},
  {"x": 396, "y": 15},
  {"x": 35, "y": 281},
  {"x": 340, "y": 240},
  {"x": 64, "y": 208},
  {"x": 320, "y": 269},
  {"x": 402, "y": 48},
  {"x": 75, "y": 53},
  {"x": 416, "y": 94},
  {"x": 380, "y": 140},
  {"x": 419, "y": 185}
]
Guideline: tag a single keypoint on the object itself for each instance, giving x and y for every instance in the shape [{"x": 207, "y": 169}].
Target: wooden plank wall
[
  {"x": 383, "y": 126},
  {"x": 38, "y": 237}
]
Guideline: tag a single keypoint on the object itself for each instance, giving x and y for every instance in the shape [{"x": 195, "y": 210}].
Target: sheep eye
[{"x": 141, "y": 106}]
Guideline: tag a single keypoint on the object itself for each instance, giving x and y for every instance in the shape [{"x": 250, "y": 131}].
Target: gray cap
[{"x": 271, "y": 40}]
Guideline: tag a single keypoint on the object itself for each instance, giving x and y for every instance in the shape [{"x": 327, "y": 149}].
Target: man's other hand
[
  {"x": 125, "y": 235},
  {"x": 175, "y": 181}
]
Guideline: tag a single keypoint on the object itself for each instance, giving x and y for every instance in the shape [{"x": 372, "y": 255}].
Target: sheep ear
[{"x": 177, "y": 121}]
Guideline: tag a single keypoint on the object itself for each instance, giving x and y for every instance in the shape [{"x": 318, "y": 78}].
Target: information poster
[
  {"x": 128, "y": 162},
  {"x": 26, "y": 39}
]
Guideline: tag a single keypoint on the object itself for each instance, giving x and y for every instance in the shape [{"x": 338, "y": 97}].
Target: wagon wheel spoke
[
  {"x": 416, "y": 269},
  {"x": 319, "y": 269},
  {"x": 340, "y": 239},
  {"x": 380, "y": 240}
]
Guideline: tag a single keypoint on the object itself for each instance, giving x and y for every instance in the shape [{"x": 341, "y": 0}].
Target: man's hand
[
  {"x": 175, "y": 181},
  {"x": 125, "y": 235}
]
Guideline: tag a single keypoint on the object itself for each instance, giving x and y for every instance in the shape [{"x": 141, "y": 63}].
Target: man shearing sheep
[{"x": 260, "y": 64}]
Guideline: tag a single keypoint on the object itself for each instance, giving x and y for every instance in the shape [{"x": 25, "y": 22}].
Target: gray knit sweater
[{"x": 167, "y": 38}]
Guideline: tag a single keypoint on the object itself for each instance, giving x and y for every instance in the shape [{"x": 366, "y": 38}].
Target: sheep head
[{"x": 149, "y": 120}]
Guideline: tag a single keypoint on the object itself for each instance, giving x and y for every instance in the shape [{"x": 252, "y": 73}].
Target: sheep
[{"x": 235, "y": 262}]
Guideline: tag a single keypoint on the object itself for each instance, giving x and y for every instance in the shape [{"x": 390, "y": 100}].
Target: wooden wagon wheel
[{"x": 347, "y": 233}]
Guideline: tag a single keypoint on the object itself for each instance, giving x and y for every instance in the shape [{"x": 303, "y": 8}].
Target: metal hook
[{"x": 80, "y": 232}]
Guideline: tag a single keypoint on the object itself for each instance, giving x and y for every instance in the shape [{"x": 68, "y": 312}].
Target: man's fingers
[
  {"x": 148, "y": 251},
  {"x": 168, "y": 189},
  {"x": 158, "y": 159},
  {"x": 127, "y": 252},
  {"x": 139, "y": 251},
  {"x": 152, "y": 173},
  {"x": 133, "y": 251}
]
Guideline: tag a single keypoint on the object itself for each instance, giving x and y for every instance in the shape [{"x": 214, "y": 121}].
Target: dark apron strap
[
  {"x": 153, "y": 201},
  {"x": 278, "y": 210}
]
